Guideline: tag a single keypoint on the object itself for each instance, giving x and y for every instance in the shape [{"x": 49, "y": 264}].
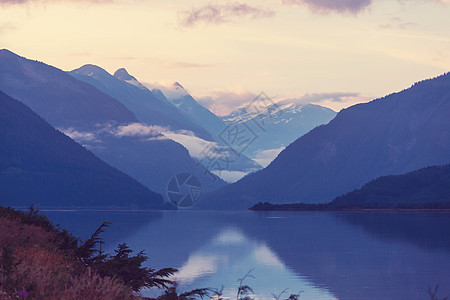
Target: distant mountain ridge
[
  {"x": 181, "y": 98},
  {"x": 427, "y": 186},
  {"x": 156, "y": 110},
  {"x": 240, "y": 164},
  {"x": 99, "y": 122},
  {"x": 147, "y": 107},
  {"x": 396, "y": 134},
  {"x": 123, "y": 75},
  {"x": 281, "y": 124},
  {"x": 40, "y": 165},
  {"x": 72, "y": 103}
]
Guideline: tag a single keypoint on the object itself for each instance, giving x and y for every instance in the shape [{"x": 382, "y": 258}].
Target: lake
[{"x": 322, "y": 254}]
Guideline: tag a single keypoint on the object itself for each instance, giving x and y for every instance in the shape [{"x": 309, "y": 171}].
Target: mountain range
[
  {"x": 99, "y": 122},
  {"x": 178, "y": 96},
  {"x": 274, "y": 126},
  {"x": 153, "y": 108},
  {"x": 57, "y": 97},
  {"x": 155, "y": 134},
  {"x": 392, "y": 135},
  {"x": 42, "y": 166},
  {"x": 278, "y": 125},
  {"x": 147, "y": 107}
]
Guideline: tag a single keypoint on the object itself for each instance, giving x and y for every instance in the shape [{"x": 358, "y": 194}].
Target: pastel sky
[{"x": 332, "y": 52}]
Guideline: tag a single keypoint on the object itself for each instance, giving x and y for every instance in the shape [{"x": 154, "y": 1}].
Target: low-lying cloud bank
[{"x": 195, "y": 145}]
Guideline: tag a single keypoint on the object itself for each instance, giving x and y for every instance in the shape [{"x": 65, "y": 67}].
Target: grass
[{"x": 41, "y": 261}]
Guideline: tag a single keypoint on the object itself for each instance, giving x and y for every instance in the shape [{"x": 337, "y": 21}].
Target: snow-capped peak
[
  {"x": 122, "y": 74},
  {"x": 91, "y": 70},
  {"x": 172, "y": 91}
]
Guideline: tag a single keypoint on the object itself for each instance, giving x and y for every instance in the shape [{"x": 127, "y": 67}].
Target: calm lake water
[{"x": 324, "y": 255}]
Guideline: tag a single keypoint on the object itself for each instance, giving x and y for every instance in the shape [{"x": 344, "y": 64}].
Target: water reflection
[
  {"x": 83, "y": 223},
  {"x": 426, "y": 230},
  {"x": 326, "y": 255},
  {"x": 230, "y": 255}
]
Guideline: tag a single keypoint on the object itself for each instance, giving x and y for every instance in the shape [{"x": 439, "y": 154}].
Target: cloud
[
  {"x": 195, "y": 145},
  {"x": 19, "y": 2},
  {"x": 138, "y": 129},
  {"x": 327, "y": 6},
  {"x": 6, "y": 26},
  {"x": 265, "y": 157},
  {"x": 348, "y": 6},
  {"x": 13, "y": 1},
  {"x": 198, "y": 148},
  {"x": 336, "y": 101},
  {"x": 184, "y": 64},
  {"x": 319, "y": 98},
  {"x": 224, "y": 101},
  {"x": 176, "y": 64},
  {"x": 85, "y": 53},
  {"x": 89, "y": 140},
  {"x": 218, "y": 14},
  {"x": 229, "y": 176},
  {"x": 79, "y": 136},
  {"x": 397, "y": 23}
]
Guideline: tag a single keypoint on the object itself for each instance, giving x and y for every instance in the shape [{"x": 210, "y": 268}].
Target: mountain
[
  {"x": 58, "y": 98},
  {"x": 136, "y": 97},
  {"x": 197, "y": 141},
  {"x": 147, "y": 156},
  {"x": 393, "y": 135},
  {"x": 179, "y": 97},
  {"x": 421, "y": 188},
  {"x": 123, "y": 75},
  {"x": 113, "y": 133},
  {"x": 278, "y": 125},
  {"x": 239, "y": 164},
  {"x": 158, "y": 111},
  {"x": 274, "y": 126},
  {"x": 427, "y": 188},
  {"x": 40, "y": 165}
]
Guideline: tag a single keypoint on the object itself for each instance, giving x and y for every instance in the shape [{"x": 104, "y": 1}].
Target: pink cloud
[
  {"x": 326, "y": 6},
  {"x": 217, "y": 14},
  {"x": 223, "y": 102}
]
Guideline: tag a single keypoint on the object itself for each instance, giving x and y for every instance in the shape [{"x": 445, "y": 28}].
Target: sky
[{"x": 331, "y": 52}]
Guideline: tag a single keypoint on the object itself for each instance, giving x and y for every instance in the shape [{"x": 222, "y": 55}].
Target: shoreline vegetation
[
  {"x": 41, "y": 261},
  {"x": 423, "y": 190}
]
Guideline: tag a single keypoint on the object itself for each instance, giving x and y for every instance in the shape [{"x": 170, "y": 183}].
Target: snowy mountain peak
[
  {"x": 123, "y": 75},
  {"x": 177, "y": 85},
  {"x": 91, "y": 70}
]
